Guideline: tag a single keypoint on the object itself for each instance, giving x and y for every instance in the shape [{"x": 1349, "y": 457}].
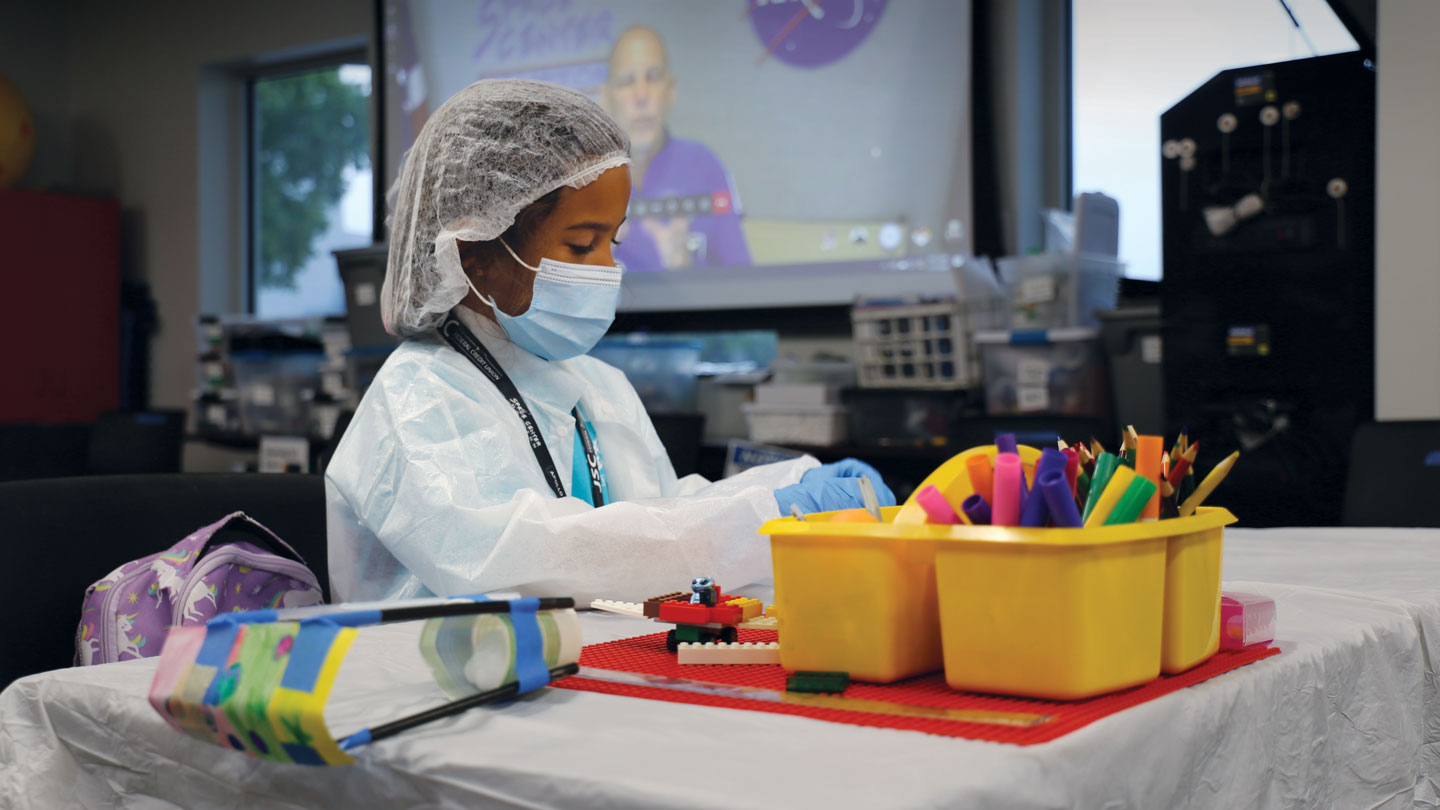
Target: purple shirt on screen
[{"x": 687, "y": 169}]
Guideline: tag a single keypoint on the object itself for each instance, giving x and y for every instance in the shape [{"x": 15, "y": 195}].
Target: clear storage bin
[
  {"x": 662, "y": 370},
  {"x": 1059, "y": 371},
  {"x": 780, "y": 424},
  {"x": 275, "y": 390},
  {"x": 1055, "y": 291}
]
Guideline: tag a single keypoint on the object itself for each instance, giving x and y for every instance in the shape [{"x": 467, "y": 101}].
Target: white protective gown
[{"x": 435, "y": 490}]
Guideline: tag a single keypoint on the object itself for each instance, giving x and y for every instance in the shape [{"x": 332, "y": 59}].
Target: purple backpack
[{"x": 231, "y": 565}]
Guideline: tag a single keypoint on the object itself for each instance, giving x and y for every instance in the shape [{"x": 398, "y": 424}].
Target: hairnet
[{"x": 482, "y": 157}]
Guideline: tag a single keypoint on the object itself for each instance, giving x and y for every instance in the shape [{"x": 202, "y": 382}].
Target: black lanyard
[{"x": 464, "y": 341}]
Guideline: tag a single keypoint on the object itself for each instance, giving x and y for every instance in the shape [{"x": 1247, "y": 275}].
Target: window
[
  {"x": 311, "y": 190},
  {"x": 1135, "y": 58}
]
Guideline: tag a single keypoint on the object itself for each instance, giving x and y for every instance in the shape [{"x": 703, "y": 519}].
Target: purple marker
[
  {"x": 976, "y": 509},
  {"x": 1006, "y": 443},
  {"x": 1056, "y": 489},
  {"x": 1036, "y": 510}
]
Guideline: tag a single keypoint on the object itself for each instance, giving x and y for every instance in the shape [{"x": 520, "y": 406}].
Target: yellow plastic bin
[
  {"x": 1068, "y": 614},
  {"x": 1191, "y": 632},
  {"x": 853, "y": 600},
  {"x": 860, "y": 597}
]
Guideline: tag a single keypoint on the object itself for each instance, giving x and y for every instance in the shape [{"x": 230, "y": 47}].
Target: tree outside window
[{"x": 312, "y": 186}]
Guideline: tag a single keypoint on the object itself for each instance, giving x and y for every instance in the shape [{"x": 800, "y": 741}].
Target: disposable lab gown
[{"x": 435, "y": 489}]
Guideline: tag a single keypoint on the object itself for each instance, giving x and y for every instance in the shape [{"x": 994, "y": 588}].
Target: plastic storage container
[
  {"x": 920, "y": 345},
  {"x": 1133, "y": 351},
  {"x": 818, "y": 426},
  {"x": 909, "y": 417},
  {"x": 1067, "y": 614},
  {"x": 1049, "y": 613},
  {"x": 1060, "y": 371},
  {"x": 1059, "y": 291},
  {"x": 852, "y": 599},
  {"x": 834, "y": 373},
  {"x": 275, "y": 390},
  {"x": 362, "y": 270},
  {"x": 662, "y": 371},
  {"x": 1247, "y": 620},
  {"x": 860, "y": 597}
]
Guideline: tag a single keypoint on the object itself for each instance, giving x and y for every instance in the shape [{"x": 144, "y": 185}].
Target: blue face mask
[{"x": 571, "y": 308}]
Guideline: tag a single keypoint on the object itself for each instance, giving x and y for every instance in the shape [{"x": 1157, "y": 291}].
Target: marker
[
  {"x": 937, "y": 508},
  {"x": 1132, "y": 502},
  {"x": 1208, "y": 485},
  {"x": 1009, "y": 481},
  {"x": 1006, "y": 443},
  {"x": 1057, "y": 495},
  {"x": 1147, "y": 465},
  {"x": 1105, "y": 465},
  {"x": 1036, "y": 511},
  {"x": 982, "y": 479},
  {"x": 1119, "y": 481},
  {"x": 977, "y": 509}
]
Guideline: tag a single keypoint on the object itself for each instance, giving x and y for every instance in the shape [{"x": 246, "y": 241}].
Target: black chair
[
  {"x": 137, "y": 443},
  {"x": 1394, "y": 477},
  {"x": 43, "y": 451},
  {"x": 62, "y": 534}
]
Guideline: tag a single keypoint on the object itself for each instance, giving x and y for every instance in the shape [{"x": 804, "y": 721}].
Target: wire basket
[{"x": 921, "y": 345}]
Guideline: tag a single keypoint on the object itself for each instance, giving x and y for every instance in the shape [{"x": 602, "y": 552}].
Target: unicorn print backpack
[{"x": 231, "y": 565}]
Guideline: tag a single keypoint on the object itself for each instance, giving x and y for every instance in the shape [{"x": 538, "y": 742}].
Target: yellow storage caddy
[
  {"x": 1191, "y": 631},
  {"x": 1072, "y": 613},
  {"x": 860, "y": 597}
]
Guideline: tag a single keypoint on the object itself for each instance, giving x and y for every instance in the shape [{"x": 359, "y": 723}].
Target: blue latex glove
[{"x": 832, "y": 487}]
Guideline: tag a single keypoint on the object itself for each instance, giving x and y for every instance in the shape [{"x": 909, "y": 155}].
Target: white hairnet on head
[{"x": 491, "y": 150}]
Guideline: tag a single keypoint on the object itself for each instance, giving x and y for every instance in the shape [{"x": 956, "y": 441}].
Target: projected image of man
[{"x": 684, "y": 207}]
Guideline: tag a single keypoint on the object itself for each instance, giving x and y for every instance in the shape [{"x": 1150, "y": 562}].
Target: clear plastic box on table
[
  {"x": 817, "y": 426},
  {"x": 662, "y": 370},
  {"x": 1057, "y": 371},
  {"x": 1059, "y": 291},
  {"x": 275, "y": 390}
]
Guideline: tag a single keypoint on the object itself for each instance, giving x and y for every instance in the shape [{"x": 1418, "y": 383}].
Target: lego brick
[
  {"x": 692, "y": 633},
  {"x": 723, "y": 653},
  {"x": 821, "y": 682},
  {"x": 652, "y": 605},
  {"x": 623, "y": 608},
  {"x": 684, "y": 612},
  {"x": 725, "y": 614},
  {"x": 773, "y": 611},
  {"x": 749, "y": 608},
  {"x": 760, "y": 623}
]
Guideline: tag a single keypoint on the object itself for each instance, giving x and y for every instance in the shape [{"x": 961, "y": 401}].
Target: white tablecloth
[{"x": 1347, "y": 716}]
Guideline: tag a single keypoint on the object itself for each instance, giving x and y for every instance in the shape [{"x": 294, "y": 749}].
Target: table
[{"x": 1347, "y": 716}]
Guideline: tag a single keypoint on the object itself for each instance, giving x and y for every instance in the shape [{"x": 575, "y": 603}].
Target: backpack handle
[{"x": 248, "y": 530}]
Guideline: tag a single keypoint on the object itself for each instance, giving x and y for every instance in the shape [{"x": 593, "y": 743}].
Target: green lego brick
[
  {"x": 688, "y": 632},
  {"x": 827, "y": 682}
]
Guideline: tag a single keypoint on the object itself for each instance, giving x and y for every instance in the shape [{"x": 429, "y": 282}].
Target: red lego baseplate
[{"x": 647, "y": 654}]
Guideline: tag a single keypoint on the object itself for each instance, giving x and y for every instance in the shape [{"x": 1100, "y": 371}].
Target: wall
[
  {"x": 135, "y": 77},
  {"x": 33, "y": 56},
  {"x": 1407, "y": 253}
]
